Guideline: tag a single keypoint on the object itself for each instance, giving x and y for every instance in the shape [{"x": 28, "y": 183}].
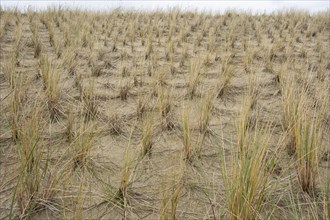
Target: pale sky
[{"x": 210, "y": 6}]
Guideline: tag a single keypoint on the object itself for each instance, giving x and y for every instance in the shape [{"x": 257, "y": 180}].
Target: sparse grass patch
[{"x": 98, "y": 108}]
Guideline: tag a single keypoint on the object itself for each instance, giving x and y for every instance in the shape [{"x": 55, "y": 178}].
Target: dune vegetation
[{"x": 164, "y": 115}]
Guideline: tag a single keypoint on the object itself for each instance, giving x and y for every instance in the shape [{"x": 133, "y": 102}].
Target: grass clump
[
  {"x": 308, "y": 131},
  {"x": 291, "y": 104},
  {"x": 308, "y": 134},
  {"x": 116, "y": 125},
  {"x": 171, "y": 195},
  {"x": 146, "y": 137},
  {"x": 15, "y": 103},
  {"x": 248, "y": 183},
  {"x": 223, "y": 82},
  {"x": 89, "y": 101},
  {"x": 165, "y": 101},
  {"x": 35, "y": 185},
  {"x": 51, "y": 77},
  {"x": 10, "y": 69},
  {"x": 205, "y": 109},
  {"x": 194, "y": 75},
  {"x": 186, "y": 136},
  {"x": 124, "y": 88},
  {"x": 82, "y": 145}
]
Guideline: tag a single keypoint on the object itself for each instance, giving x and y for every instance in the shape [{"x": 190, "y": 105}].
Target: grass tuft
[
  {"x": 82, "y": 145},
  {"x": 248, "y": 183},
  {"x": 89, "y": 101},
  {"x": 146, "y": 137},
  {"x": 194, "y": 75},
  {"x": 186, "y": 136}
]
